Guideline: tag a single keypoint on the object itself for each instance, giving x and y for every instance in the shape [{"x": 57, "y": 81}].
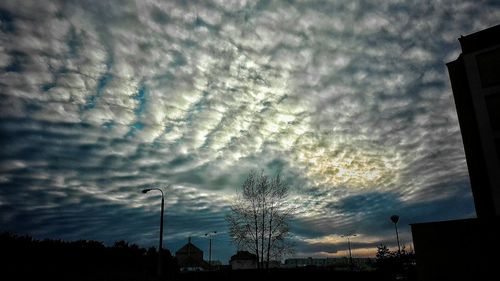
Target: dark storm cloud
[
  {"x": 348, "y": 100},
  {"x": 366, "y": 202}
]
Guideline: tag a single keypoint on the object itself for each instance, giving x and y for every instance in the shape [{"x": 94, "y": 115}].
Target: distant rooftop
[
  {"x": 244, "y": 255},
  {"x": 480, "y": 40},
  {"x": 189, "y": 248}
]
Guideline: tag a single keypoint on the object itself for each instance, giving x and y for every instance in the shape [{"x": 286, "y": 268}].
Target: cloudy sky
[{"x": 349, "y": 100}]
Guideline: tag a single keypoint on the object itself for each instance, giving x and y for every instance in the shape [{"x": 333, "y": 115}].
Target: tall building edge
[{"x": 478, "y": 173}]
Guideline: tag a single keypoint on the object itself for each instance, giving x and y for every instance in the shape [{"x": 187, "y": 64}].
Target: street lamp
[
  {"x": 395, "y": 220},
  {"x": 210, "y": 234},
  {"x": 160, "y": 270},
  {"x": 348, "y": 236}
]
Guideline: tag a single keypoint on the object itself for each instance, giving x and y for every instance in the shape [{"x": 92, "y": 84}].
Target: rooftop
[{"x": 480, "y": 40}]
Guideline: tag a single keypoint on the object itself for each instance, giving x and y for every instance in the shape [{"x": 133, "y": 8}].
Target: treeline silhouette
[{"x": 24, "y": 258}]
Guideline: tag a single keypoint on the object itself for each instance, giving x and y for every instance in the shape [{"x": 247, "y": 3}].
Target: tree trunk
[
  {"x": 262, "y": 242},
  {"x": 269, "y": 237},
  {"x": 256, "y": 238}
]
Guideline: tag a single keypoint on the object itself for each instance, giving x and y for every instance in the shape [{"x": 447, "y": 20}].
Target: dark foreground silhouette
[{"x": 25, "y": 258}]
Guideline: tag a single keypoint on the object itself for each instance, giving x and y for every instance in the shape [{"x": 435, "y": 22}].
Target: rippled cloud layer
[{"x": 349, "y": 100}]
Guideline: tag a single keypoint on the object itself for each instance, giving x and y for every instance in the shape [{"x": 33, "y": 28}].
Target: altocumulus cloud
[{"x": 350, "y": 100}]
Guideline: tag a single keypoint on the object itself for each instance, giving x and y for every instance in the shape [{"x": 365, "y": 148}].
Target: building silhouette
[
  {"x": 190, "y": 258},
  {"x": 341, "y": 263},
  {"x": 475, "y": 80},
  {"x": 469, "y": 248},
  {"x": 243, "y": 260}
]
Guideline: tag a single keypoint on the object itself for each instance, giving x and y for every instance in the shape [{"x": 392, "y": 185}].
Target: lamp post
[
  {"x": 160, "y": 267},
  {"x": 348, "y": 236},
  {"x": 210, "y": 234},
  {"x": 395, "y": 220}
]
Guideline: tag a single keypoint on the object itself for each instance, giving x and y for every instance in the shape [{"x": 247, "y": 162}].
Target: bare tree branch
[{"x": 258, "y": 221}]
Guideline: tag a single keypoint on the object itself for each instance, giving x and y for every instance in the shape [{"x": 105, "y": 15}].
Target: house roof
[
  {"x": 189, "y": 248},
  {"x": 243, "y": 255}
]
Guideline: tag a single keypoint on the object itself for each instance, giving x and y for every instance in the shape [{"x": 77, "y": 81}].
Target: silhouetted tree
[
  {"x": 258, "y": 221},
  {"x": 383, "y": 253},
  {"x": 395, "y": 264}
]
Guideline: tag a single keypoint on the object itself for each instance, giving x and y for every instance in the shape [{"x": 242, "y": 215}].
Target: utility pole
[
  {"x": 209, "y": 235},
  {"x": 395, "y": 220},
  {"x": 160, "y": 248},
  {"x": 348, "y": 236}
]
